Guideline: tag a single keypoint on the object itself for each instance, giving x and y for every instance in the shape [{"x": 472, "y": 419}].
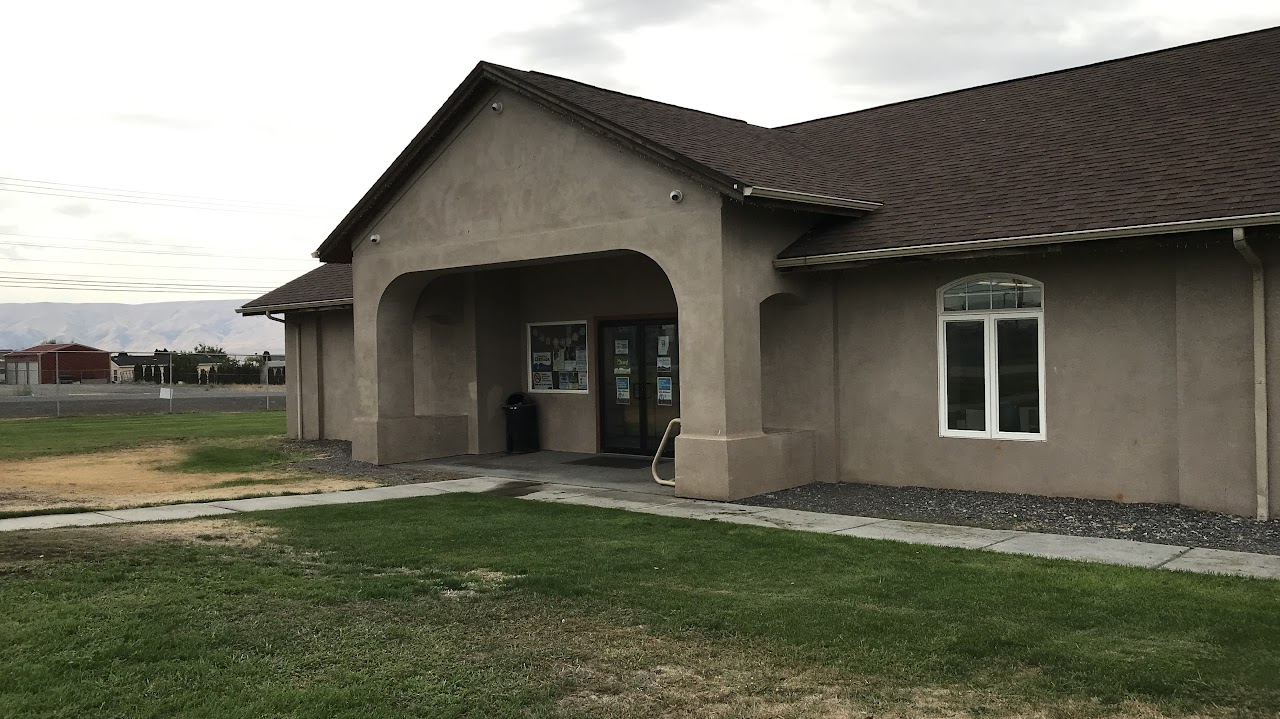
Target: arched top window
[
  {"x": 991, "y": 358},
  {"x": 983, "y": 293}
]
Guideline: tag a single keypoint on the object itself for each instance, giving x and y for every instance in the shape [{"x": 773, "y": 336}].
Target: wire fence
[{"x": 50, "y": 382}]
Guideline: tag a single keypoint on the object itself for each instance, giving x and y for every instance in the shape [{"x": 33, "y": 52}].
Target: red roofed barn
[{"x": 47, "y": 363}]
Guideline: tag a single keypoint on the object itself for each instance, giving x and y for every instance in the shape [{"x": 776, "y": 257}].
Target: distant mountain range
[{"x": 140, "y": 328}]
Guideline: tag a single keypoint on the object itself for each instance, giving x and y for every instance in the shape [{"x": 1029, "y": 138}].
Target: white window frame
[
  {"x": 990, "y": 363},
  {"x": 528, "y": 357}
]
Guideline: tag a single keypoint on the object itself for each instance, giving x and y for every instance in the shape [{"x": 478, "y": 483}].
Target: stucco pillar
[
  {"x": 1215, "y": 380},
  {"x": 294, "y": 383},
  {"x": 388, "y": 429},
  {"x": 310, "y": 383},
  {"x": 723, "y": 451}
]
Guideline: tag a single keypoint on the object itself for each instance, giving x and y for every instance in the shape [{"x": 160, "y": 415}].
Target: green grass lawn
[
  {"x": 23, "y": 439},
  {"x": 483, "y": 606},
  {"x": 253, "y": 455}
]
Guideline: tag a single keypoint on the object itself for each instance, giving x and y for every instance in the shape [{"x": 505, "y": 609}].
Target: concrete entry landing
[{"x": 560, "y": 468}]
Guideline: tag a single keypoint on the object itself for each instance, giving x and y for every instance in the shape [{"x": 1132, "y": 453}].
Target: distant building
[
  {"x": 191, "y": 368},
  {"x": 127, "y": 367},
  {"x": 63, "y": 363}
]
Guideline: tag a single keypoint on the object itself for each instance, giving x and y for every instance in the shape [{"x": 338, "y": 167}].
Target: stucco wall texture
[
  {"x": 319, "y": 350},
  {"x": 1149, "y": 385},
  {"x": 786, "y": 378},
  {"x": 523, "y": 189}
]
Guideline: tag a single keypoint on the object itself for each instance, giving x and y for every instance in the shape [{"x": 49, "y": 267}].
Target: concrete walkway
[{"x": 1089, "y": 549}]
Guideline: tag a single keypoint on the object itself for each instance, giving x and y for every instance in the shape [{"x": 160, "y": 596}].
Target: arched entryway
[{"x": 574, "y": 334}]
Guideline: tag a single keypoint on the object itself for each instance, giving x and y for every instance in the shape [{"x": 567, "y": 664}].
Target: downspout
[{"x": 1260, "y": 436}]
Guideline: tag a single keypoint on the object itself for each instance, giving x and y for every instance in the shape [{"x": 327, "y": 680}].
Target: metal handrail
[{"x": 662, "y": 446}]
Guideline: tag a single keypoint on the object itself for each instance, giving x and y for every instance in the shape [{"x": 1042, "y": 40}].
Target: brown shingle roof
[
  {"x": 746, "y": 153},
  {"x": 1182, "y": 134},
  {"x": 326, "y": 285},
  {"x": 1176, "y": 135}
]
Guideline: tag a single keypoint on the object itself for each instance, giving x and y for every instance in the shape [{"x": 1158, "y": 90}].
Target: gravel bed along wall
[{"x": 1156, "y": 523}]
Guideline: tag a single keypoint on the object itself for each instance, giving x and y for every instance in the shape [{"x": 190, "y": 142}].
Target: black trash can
[{"x": 522, "y": 424}]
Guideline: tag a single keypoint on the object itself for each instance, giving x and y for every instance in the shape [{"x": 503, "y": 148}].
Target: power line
[
  {"x": 110, "y": 287},
  {"x": 129, "y": 282},
  {"x": 86, "y": 239},
  {"x": 148, "y": 252},
  {"x": 166, "y": 267},
  {"x": 146, "y": 193},
  {"x": 61, "y": 275},
  {"x": 108, "y": 284},
  {"x": 132, "y": 289},
  {"x": 157, "y": 204}
]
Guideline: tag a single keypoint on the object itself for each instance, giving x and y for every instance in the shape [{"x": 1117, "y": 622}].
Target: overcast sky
[{"x": 212, "y": 146}]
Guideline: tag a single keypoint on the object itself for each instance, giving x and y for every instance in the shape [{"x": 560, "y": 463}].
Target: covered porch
[{"x": 629, "y": 345}]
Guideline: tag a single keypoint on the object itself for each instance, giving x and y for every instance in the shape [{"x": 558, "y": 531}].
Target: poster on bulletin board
[{"x": 557, "y": 356}]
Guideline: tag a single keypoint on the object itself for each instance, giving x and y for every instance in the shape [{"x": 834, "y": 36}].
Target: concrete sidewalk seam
[
  {"x": 1006, "y": 539},
  {"x": 1175, "y": 557}
]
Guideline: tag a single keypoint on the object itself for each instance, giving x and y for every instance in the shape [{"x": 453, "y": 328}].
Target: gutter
[
  {"x": 809, "y": 198},
  {"x": 1260, "y": 409},
  {"x": 313, "y": 305},
  {"x": 835, "y": 260}
]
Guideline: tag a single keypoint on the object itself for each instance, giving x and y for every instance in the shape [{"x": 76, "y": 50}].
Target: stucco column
[
  {"x": 310, "y": 384},
  {"x": 387, "y": 429},
  {"x": 722, "y": 452}
]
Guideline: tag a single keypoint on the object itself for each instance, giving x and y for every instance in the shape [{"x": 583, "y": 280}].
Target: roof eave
[
  {"x": 843, "y": 259},
  {"x": 335, "y": 247},
  {"x": 248, "y": 311},
  {"x": 809, "y": 198}
]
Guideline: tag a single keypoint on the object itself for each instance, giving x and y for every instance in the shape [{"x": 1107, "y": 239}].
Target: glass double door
[{"x": 639, "y": 384}]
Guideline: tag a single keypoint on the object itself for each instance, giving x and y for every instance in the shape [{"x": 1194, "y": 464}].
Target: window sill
[{"x": 996, "y": 437}]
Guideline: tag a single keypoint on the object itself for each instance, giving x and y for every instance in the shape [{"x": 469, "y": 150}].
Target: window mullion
[{"x": 991, "y": 361}]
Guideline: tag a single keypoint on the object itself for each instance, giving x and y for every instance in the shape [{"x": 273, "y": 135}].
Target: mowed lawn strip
[
  {"x": 27, "y": 438},
  {"x": 243, "y": 456},
  {"x": 481, "y": 606}
]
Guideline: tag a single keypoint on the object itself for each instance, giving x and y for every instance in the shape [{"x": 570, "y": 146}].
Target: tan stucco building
[{"x": 1055, "y": 285}]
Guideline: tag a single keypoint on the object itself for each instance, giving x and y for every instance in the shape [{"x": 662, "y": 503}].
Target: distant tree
[
  {"x": 184, "y": 367},
  {"x": 251, "y": 370}
]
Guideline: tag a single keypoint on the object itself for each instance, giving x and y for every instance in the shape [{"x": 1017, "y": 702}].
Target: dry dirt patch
[
  {"x": 131, "y": 477},
  {"x": 626, "y": 672},
  {"x": 218, "y": 532}
]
